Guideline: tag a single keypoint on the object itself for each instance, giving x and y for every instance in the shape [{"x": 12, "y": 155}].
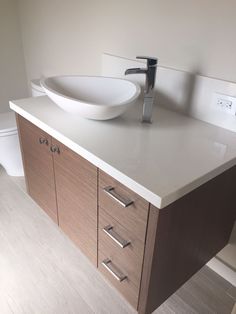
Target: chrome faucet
[{"x": 150, "y": 73}]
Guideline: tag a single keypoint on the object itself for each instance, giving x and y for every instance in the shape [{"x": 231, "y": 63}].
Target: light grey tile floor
[{"x": 42, "y": 272}]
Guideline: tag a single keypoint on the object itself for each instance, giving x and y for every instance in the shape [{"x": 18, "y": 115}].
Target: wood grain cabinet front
[
  {"x": 123, "y": 219},
  {"x": 76, "y": 185},
  {"x": 125, "y": 251},
  {"x": 130, "y": 209},
  {"x": 63, "y": 184},
  {"x": 38, "y": 166}
]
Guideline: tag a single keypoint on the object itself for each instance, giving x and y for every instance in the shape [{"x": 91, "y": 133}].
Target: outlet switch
[{"x": 224, "y": 103}]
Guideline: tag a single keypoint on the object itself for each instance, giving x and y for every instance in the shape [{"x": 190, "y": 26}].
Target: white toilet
[{"x": 10, "y": 155}]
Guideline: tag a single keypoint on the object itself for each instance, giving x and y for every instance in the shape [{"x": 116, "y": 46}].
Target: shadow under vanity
[{"x": 146, "y": 253}]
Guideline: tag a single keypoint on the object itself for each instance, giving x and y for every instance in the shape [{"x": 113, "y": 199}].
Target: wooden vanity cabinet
[
  {"x": 146, "y": 253},
  {"x": 63, "y": 184}
]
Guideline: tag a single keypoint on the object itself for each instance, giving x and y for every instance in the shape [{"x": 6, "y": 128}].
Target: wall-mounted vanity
[{"x": 149, "y": 205}]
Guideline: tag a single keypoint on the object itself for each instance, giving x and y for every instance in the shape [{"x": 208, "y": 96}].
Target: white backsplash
[{"x": 179, "y": 91}]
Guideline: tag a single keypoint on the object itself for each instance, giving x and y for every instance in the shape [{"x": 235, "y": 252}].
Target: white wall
[
  {"x": 12, "y": 65},
  {"x": 69, "y": 36}
]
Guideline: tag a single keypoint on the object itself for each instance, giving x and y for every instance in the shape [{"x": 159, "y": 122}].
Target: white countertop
[{"x": 161, "y": 161}]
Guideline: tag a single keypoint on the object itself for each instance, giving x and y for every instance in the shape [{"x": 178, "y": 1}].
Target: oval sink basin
[{"x": 92, "y": 97}]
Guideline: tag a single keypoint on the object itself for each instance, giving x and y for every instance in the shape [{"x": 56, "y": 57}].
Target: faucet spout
[
  {"x": 150, "y": 73},
  {"x": 135, "y": 71}
]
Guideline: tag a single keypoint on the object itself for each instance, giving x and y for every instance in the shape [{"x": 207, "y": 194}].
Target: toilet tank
[{"x": 36, "y": 88}]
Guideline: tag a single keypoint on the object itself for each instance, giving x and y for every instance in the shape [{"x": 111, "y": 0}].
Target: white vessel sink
[{"x": 92, "y": 97}]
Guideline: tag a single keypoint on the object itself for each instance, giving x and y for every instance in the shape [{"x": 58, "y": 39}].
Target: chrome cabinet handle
[
  {"x": 121, "y": 200},
  {"x": 43, "y": 140},
  {"x": 55, "y": 149},
  {"x": 116, "y": 273},
  {"x": 115, "y": 237}
]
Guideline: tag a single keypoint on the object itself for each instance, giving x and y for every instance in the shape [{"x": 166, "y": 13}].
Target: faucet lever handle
[{"x": 151, "y": 61}]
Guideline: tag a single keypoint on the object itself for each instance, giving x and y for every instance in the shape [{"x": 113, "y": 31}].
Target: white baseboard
[{"x": 223, "y": 270}]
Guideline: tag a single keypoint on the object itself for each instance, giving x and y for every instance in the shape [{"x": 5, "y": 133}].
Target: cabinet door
[
  {"x": 76, "y": 185},
  {"x": 38, "y": 166}
]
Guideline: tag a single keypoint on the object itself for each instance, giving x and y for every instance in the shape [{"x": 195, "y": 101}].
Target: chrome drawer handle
[
  {"x": 115, "y": 237},
  {"x": 121, "y": 200},
  {"x": 116, "y": 273},
  {"x": 55, "y": 149},
  {"x": 43, "y": 140}
]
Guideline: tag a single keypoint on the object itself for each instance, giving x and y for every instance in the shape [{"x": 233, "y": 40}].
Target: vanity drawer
[
  {"x": 112, "y": 198},
  {"x": 121, "y": 245},
  {"x": 126, "y": 287}
]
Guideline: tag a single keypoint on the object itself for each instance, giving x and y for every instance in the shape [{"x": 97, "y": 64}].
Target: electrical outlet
[{"x": 224, "y": 103}]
